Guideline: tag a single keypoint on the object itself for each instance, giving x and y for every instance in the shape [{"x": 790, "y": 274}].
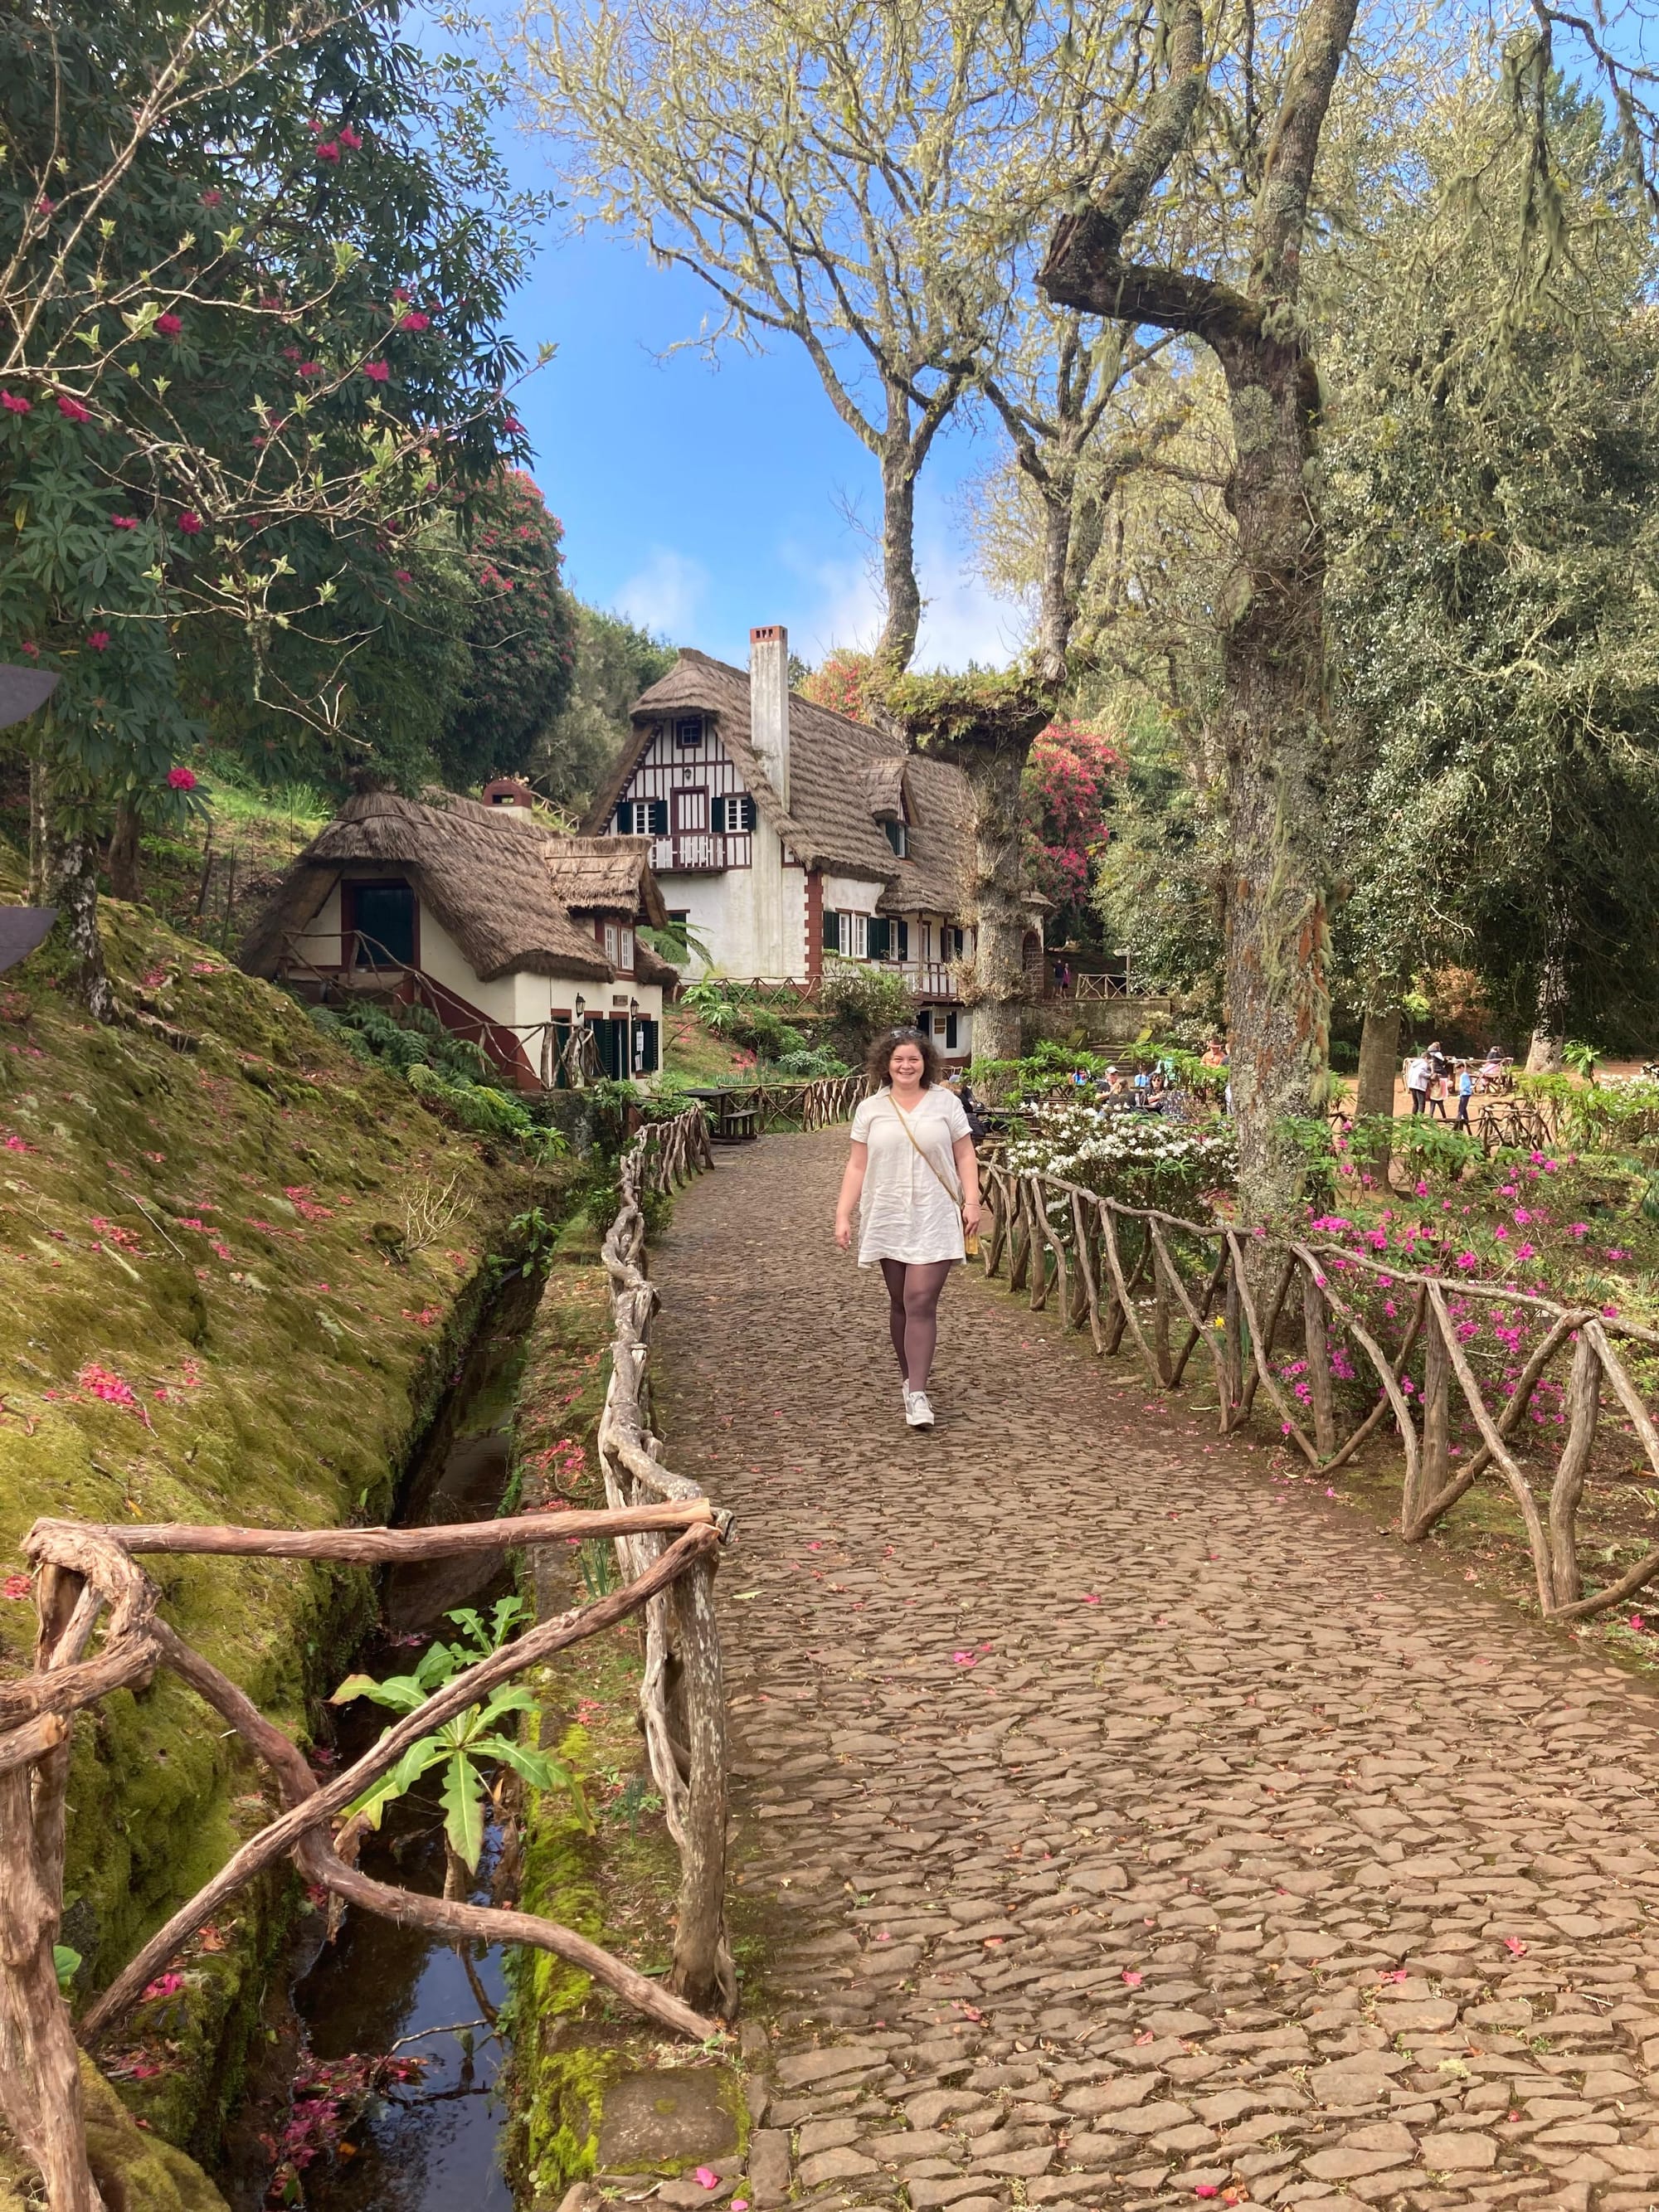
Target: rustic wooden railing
[
  {"x": 681, "y": 1696},
  {"x": 86, "y": 1574},
  {"x": 1470, "y": 1376}
]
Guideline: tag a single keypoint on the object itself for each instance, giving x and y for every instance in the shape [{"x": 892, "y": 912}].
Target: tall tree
[
  {"x": 250, "y": 264},
  {"x": 828, "y": 175},
  {"x": 522, "y": 636},
  {"x": 614, "y": 662},
  {"x": 1223, "y": 168}
]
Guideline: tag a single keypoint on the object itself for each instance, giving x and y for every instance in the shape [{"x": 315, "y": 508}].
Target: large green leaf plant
[{"x": 466, "y": 1746}]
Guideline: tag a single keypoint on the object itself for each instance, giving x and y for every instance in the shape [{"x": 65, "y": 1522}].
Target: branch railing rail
[
  {"x": 681, "y": 1692},
  {"x": 86, "y": 1575},
  {"x": 1472, "y": 1377}
]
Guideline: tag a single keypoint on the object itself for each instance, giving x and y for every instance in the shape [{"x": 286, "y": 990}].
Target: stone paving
[{"x": 1127, "y": 1827}]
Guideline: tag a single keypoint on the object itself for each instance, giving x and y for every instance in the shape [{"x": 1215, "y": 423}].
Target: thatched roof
[
  {"x": 481, "y": 869},
  {"x": 606, "y": 875},
  {"x": 830, "y": 822}
]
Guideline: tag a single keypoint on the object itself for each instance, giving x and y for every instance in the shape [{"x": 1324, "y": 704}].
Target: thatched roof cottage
[
  {"x": 790, "y": 836},
  {"x": 524, "y": 940}
]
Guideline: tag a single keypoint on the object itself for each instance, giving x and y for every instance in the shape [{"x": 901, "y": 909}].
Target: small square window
[
  {"x": 688, "y": 731},
  {"x": 898, "y": 837}
]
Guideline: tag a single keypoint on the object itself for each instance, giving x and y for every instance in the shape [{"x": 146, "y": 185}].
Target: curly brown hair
[{"x": 879, "y": 1057}]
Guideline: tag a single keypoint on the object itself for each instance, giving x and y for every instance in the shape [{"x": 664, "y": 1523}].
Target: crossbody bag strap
[{"x": 955, "y": 1195}]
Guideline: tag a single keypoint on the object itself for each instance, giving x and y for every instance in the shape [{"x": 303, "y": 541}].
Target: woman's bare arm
[
  {"x": 967, "y": 1160},
  {"x": 852, "y": 1185}
]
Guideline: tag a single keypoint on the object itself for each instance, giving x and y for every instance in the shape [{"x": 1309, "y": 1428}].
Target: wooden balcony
[{"x": 702, "y": 852}]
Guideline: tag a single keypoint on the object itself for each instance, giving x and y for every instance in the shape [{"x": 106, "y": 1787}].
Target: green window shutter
[
  {"x": 748, "y": 813},
  {"x": 901, "y": 940},
  {"x": 832, "y": 930},
  {"x": 880, "y": 936},
  {"x": 717, "y": 814},
  {"x": 658, "y": 817}
]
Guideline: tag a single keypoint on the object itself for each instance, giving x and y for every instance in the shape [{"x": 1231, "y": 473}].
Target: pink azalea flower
[
  {"x": 99, "y": 640},
  {"x": 72, "y": 409},
  {"x": 170, "y": 325},
  {"x": 190, "y": 522},
  {"x": 181, "y": 779},
  {"x": 14, "y": 404},
  {"x": 124, "y": 522},
  {"x": 376, "y": 371}
]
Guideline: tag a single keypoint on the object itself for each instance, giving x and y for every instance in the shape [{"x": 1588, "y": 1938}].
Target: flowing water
[{"x": 432, "y": 2143}]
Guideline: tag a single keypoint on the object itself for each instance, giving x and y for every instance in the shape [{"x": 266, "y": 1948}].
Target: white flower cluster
[{"x": 1103, "y": 1147}]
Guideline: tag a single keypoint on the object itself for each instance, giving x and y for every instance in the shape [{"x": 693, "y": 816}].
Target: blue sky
[{"x": 702, "y": 501}]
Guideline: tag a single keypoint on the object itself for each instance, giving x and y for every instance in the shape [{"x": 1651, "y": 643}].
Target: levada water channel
[{"x": 430, "y": 2141}]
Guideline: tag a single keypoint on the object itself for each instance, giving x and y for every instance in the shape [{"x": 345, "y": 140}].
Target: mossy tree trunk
[
  {"x": 122, "y": 857},
  {"x": 1274, "y": 729},
  {"x": 1000, "y": 919}
]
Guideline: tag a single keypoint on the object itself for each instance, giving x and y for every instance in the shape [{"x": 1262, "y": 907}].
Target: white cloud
[
  {"x": 962, "y": 619},
  {"x": 666, "y": 594}
]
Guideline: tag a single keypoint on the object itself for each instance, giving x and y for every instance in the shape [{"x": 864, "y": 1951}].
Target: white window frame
[
  {"x": 610, "y": 942},
  {"x": 625, "y": 950},
  {"x": 639, "y": 819}
]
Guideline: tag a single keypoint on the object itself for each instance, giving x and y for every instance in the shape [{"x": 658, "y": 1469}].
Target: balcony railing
[{"x": 702, "y": 852}]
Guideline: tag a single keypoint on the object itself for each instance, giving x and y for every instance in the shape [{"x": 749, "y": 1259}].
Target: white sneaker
[{"x": 917, "y": 1412}]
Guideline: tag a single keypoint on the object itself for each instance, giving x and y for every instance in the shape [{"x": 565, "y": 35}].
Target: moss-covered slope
[{"x": 232, "y": 1278}]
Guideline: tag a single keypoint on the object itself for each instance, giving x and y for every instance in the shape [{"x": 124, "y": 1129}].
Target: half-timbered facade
[{"x": 790, "y": 837}]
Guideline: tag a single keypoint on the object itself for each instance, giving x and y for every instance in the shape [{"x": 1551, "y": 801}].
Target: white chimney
[{"x": 769, "y": 703}]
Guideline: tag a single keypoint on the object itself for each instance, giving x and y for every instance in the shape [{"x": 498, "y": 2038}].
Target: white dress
[{"x": 905, "y": 1211}]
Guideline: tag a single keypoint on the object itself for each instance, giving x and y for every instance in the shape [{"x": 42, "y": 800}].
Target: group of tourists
[{"x": 1433, "y": 1078}]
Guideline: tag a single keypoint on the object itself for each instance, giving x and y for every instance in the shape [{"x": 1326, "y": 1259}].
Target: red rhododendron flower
[
  {"x": 31, "y": 648},
  {"x": 181, "y": 779},
  {"x": 15, "y": 405},
  {"x": 376, "y": 371},
  {"x": 170, "y": 325},
  {"x": 402, "y": 574},
  {"x": 212, "y": 198},
  {"x": 190, "y": 523},
  {"x": 311, "y": 368},
  {"x": 348, "y": 138},
  {"x": 99, "y": 640},
  {"x": 414, "y": 320},
  {"x": 44, "y": 206},
  {"x": 513, "y": 427},
  {"x": 73, "y": 408},
  {"x": 328, "y": 151},
  {"x": 124, "y": 522}
]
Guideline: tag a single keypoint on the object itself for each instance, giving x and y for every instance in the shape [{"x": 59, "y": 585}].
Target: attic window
[
  {"x": 898, "y": 835},
  {"x": 688, "y": 731}
]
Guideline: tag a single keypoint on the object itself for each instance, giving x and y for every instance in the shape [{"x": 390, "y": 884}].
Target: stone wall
[{"x": 1101, "y": 1025}]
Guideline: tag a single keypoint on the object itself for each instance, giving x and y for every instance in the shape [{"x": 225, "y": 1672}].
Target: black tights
[{"x": 913, "y": 1294}]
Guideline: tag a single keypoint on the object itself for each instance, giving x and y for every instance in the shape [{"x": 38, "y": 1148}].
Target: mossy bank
[{"x": 236, "y": 1268}]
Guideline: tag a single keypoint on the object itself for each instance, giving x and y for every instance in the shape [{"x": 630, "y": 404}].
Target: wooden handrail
[{"x": 1045, "y": 1234}]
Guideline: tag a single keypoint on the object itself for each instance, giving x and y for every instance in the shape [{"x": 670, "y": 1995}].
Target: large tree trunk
[
  {"x": 1550, "y": 1029},
  {"x": 1000, "y": 920},
  {"x": 1379, "y": 1063},
  {"x": 122, "y": 857},
  {"x": 1277, "y": 747}
]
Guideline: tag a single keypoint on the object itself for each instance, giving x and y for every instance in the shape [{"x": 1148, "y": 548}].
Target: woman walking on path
[{"x": 914, "y": 1179}]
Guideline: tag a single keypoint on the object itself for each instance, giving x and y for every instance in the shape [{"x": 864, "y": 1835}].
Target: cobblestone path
[{"x": 1126, "y": 1826}]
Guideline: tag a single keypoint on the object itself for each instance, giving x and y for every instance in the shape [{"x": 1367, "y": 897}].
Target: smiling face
[{"x": 905, "y": 1066}]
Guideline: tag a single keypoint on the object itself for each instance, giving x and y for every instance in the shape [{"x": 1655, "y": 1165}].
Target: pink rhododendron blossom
[
  {"x": 328, "y": 151},
  {"x": 212, "y": 198},
  {"x": 376, "y": 371},
  {"x": 14, "y": 404},
  {"x": 31, "y": 648},
  {"x": 17, "y": 1586},
  {"x": 72, "y": 409},
  {"x": 414, "y": 320},
  {"x": 170, "y": 325},
  {"x": 181, "y": 779},
  {"x": 350, "y": 138},
  {"x": 99, "y": 640},
  {"x": 164, "y": 1986},
  {"x": 124, "y": 522},
  {"x": 190, "y": 522},
  {"x": 311, "y": 368},
  {"x": 706, "y": 2178},
  {"x": 403, "y": 575}
]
